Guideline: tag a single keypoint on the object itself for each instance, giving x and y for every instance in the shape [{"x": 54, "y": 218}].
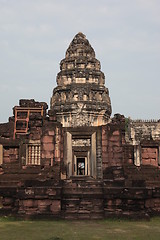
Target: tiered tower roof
[{"x": 81, "y": 99}]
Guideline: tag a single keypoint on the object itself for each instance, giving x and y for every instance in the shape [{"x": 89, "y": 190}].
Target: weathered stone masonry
[{"x": 74, "y": 160}]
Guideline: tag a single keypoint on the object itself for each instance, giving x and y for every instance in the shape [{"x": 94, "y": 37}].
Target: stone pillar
[
  {"x": 68, "y": 153},
  {"x": 159, "y": 156},
  {"x": 57, "y": 144},
  {"x": 99, "y": 155},
  {"x": 1, "y": 154},
  {"x": 137, "y": 155},
  {"x": 89, "y": 163},
  {"x": 93, "y": 156}
]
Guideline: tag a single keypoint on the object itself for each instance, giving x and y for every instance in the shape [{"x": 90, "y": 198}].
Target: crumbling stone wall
[
  {"x": 30, "y": 187},
  {"x": 113, "y": 141},
  {"x": 139, "y": 130},
  {"x": 144, "y": 136}
]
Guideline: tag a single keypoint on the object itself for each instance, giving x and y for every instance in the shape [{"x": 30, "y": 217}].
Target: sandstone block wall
[{"x": 113, "y": 143}]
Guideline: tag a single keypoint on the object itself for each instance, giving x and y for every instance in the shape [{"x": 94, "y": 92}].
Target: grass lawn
[{"x": 11, "y": 229}]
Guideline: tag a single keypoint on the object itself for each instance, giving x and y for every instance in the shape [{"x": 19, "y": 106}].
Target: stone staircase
[{"x": 82, "y": 198}]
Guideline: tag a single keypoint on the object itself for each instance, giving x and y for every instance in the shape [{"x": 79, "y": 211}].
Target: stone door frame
[{"x": 72, "y": 152}]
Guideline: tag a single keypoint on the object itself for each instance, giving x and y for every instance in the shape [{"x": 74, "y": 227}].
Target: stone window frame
[
  {"x": 138, "y": 153},
  {"x": 33, "y": 153},
  {"x": 150, "y": 146},
  {"x": 4, "y": 150}
]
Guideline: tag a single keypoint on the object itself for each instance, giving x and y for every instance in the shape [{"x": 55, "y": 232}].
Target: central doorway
[{"x": 80, "y": 157}]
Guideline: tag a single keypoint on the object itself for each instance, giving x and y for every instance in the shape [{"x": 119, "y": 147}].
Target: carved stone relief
[{"x": 81, "y": 142}]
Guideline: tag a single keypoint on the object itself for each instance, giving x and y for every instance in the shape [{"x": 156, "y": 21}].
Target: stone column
[
  {"x": 137, "y": 155},
  {"x": 68, "y": 153},
  {"x": 89, "y": 163},
  {"x": 57, "y": 144},
  {"x": 1, "y": 154},
  {"x": 99, "y": 155},
  {"x": 159, "y": 156},
  {"x": 93, "y": 155}
]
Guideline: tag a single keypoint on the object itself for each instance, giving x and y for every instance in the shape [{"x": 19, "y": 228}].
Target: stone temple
[{"x": 75, "y": 161}]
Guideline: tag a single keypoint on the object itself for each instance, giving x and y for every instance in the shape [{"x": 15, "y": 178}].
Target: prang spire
[{"x": 81, "y": 99}]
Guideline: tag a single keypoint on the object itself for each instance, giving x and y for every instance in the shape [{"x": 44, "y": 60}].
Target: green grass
[{"x": 11, "y": 229}]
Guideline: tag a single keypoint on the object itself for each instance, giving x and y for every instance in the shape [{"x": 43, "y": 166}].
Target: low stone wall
[
  {"x": 31, "y": 202},
  {"x": 80, "y": 202},
  {"x": 131, "y": 202}
]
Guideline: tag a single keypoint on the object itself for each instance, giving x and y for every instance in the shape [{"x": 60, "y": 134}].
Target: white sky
[{"x": 34, "y": 35}]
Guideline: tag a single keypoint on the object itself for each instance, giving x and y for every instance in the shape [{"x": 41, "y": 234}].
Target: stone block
[
  {"x": 116, "y": 133},
  {"x": 55, "y": 206},
  {"x": 118, "y": 202},
  {"x": 110, "y": 155},
  {"x": 117, "y": 149},
  {"x": 29, "y": 203},
  {"x": 157, "y": 203},
  {"x": 7, "y": 201},
  {"x": 51, "y": 192},
  {"x": 114, "y": 142},
  {"x": 47, "y": 139},
  {"x": 104, "y": 142},
  {"x": 6, "y": 159},
  {"x": 104, "y": 133},
  {"x": 48, "y": 146},
  {"x": 154, "y": 162},
  {"x": 43, "y": 204},
  {"x": 104, "y": 149},
  {"x": 47, "y": 161},
  {"x": 47, "y": 154},
  {"x": 104, "y": 155},
  {"x": 118, "y": 155},
  {"x": 156, "y": 193},
  {"x": 51, "y": 133},
  {"x": 61, "y": 155},
  {"x": 149, "y": 203}
]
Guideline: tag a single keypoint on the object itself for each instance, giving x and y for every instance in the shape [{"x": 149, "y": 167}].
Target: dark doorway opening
[{"x": 80, "y": 166}]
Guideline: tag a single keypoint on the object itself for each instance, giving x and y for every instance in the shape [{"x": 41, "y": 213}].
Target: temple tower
[{"x": 80, "y": 99}]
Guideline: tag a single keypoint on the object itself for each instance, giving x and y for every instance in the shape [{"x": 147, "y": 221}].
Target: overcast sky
[{"x": 34, "y": 36}]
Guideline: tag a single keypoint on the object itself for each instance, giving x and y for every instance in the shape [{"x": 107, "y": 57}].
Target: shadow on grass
[{"x": 55, "y": 238}]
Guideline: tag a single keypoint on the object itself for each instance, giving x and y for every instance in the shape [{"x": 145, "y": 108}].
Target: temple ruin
[{"x": 73, "y": 160}]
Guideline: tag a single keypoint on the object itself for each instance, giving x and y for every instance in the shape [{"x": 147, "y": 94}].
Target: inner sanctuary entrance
[
  {"x": 80, "y": 154},
  {"x": 81, "y": 166}
]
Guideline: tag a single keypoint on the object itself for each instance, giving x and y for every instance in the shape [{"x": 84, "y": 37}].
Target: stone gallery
[{"x": 74, "y": 160}]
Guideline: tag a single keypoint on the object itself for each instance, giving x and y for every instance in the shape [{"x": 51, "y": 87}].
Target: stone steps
[
  {"x": 83, "y": 215},
  {"x": 114, "y": 183},
  {"x": 83, "y": 190},
  {"x": 9, "y": 183},
  {"x": 82, "y": 199},
  {"x": 153, "y": 183},
  {"x": 82, "y": 182}
]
